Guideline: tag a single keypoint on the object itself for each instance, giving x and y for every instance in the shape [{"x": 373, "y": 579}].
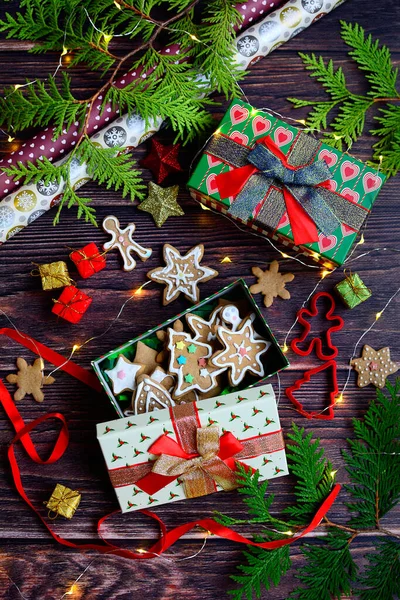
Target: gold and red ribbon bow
[
  {"x": 200, "y": 457},
  {"x": 264, "y": 184}
]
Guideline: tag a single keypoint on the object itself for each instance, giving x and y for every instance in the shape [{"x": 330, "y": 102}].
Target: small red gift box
[
  {"x": 88, "y": 260},
  {"x": 72, "y": 304}
]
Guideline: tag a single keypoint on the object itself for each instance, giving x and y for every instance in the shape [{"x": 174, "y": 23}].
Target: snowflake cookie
[
  {"x": 189, "y": 362},
  {"x": 242, "y": 351},
  {"x": 182, "y": 274},
  {"x": 30, "y": 379}
]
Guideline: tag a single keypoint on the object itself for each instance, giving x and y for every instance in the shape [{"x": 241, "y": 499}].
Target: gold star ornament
[
  {"x": 161, "y": 203},
  {"x": 374, "y": 366}
]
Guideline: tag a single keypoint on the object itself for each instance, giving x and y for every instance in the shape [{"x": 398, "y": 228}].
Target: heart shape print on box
[
  {"x": 260, "y": 125},
  {"x": 282, "y": 136},
  {"x": 349, "y": 170},
  {"x": 238, "y": 114},
  {"x": 329, "y": 157},
  {"x": 371, "y": 182}
]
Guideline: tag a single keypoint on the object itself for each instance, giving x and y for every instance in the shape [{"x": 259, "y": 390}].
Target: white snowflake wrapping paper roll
[
  {"x": 279, "y": 27},
  {"x": 25, "y": 205},
  {"x": 29, "y": 202}
]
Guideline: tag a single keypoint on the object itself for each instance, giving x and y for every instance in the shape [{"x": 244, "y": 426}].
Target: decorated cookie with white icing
[
  {"x": 204, "y": 330},
  {"x": 149, "y": 396},
  {"x": 242, "y": 351},
  {"x": 182, "y": 274},
  {"x": 188, "y": 361},
  {"x": 123, "y": 375}
]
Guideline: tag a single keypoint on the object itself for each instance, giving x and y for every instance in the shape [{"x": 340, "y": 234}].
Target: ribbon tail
[
  {"x": 231, "y": 183},
  {"x": 315, "y": 206},
  {"x": 303, "y": 228}
]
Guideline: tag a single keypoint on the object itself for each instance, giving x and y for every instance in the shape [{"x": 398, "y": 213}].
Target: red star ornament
[{"x": 162, "y": 160}]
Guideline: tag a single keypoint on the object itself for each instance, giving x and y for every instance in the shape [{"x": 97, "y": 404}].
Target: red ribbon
[
  {"x": 168, "y": 538},
  {"x": 231, "y": 183}
]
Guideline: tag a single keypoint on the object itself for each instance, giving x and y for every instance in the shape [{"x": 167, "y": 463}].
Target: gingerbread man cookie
[
  {"x": 242, "y": 351},
  {"x": 122, "y": 240},
  {"x": 182, "y": 274},
  {"x": 374, "y": 366},
  {"x": 162, "y": 336},
  {"x": 189, "y": 362},
  {"x": 205, "y": 330},
  {"x": 30, "y": 379}
]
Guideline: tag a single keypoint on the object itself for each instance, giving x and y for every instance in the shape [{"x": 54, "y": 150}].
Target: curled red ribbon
[{"x": 168, "y": 538}]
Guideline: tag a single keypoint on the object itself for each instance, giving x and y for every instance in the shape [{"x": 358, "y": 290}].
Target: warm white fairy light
[
  {"x": 285, "y": 348},
  {"x": 325, "y": 273},
  {"x": 378, "y": 315},
  {"x": 333, "y": 473},
  {"x": 226, "y": 259}
]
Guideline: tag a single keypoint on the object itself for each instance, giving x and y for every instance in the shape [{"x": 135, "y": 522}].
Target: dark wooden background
[{"x": 38, "y": 566}]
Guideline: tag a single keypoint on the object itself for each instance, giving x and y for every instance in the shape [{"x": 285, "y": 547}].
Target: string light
[
  {"x": 10, "y": 139},
  {"x": 141, "y": 551},
  {"x": 339, "y": 399},
  {"x": 64, "y": 51},
  {"x": 75, "y": 347},
  {"x": 117, "y": 5},
  {"x": 333, "y": 473},
  {"x": 285, "y": 255},
  {"x": 362, "y": 240},
  {"x": 285, "y": 348},
  {"x": 337, "y": 137},
  {"x": 193, "y": 37},
  {"x": 72, "y": 590},
  {"x": 217, "y": 132},
  {"x": 289, "y": 532},
  {"x": 18, "y": 85},
  {"x": 302, "y": 121},
  {"x": 204, "y": 207},
  {"x": 378, "y": 315},
  {"x": 107, "y": 37},
  {"x": 325, "y": 273},
  {"x": 226, "y": 259}
]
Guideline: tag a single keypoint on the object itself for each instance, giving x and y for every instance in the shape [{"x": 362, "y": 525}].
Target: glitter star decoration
[
  {"x": 182, "y": 274},
  {"x": 161, "y": 203},
  {"x": 162, "y": 160},
  {"x": 374, "y": 366}
]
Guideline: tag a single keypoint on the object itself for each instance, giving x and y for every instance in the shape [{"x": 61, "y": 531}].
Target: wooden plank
[{"x": 32, "y": 561}]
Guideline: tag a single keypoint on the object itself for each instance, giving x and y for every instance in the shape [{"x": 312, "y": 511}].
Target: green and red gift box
[{"x": 285, "y": 184}]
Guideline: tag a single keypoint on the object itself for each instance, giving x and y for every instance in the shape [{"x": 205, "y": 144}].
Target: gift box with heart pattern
[{"x": 351, "y": 187}]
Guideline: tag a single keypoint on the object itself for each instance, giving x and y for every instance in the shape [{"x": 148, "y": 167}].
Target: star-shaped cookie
[
  {"x": 123, "y": 375},
  {"x": 242, "y": 351},
  {"x": 182, "y": 274},
  {"x": 161, "y": 203},
  {"x": 374, "y": 366},
  {"x": 271, "y": 283},
  {"x": 162, "y": 160}
]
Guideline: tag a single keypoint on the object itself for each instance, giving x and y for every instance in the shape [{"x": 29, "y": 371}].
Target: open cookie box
[{"x": 237, "y": 292}]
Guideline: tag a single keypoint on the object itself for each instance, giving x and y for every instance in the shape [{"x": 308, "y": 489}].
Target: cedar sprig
[
  {"x": 347, "y": 123},
  {"x": 373, "y": 465},
  {"x": 176, "y": 88}
]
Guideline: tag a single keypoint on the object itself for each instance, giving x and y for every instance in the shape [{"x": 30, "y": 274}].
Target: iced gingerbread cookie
[
  {"x": 159, "y": 376},
  {"x": 242, "y": 351},
  {"x": 162, "y": 336},
  {"x": 204, "y": 330},
  {"x": 182, "y": 274},
  {"x": 149, "y": 396},
  {"x": 123, "y": 375},
  {"x": 122, "y": 240},
  {"x": 374, "y": 366},
  {"x": 189, "y": 362}
]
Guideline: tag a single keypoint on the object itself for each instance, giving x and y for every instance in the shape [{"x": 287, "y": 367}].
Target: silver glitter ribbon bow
[{"x": 326, "y": 209}]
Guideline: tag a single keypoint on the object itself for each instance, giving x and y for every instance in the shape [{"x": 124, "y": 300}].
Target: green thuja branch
[
  {"x": 174, "y": 86},
  {"x": 329, "y": 571},
  {"x": 348, "y": 123}
]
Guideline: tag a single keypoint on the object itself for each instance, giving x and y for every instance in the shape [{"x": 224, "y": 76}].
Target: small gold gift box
[
  {"x": 64, "y": 501},
  {"x": 54, "y": 275}
]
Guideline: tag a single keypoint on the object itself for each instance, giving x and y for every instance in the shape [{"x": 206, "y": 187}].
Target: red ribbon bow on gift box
[
  {"x": 200, "y": 458},
  {"x": 310, "y": 204}
]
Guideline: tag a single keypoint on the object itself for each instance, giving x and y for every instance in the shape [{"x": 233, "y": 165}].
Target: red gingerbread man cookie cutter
[{"x": 316, "y": 342}]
